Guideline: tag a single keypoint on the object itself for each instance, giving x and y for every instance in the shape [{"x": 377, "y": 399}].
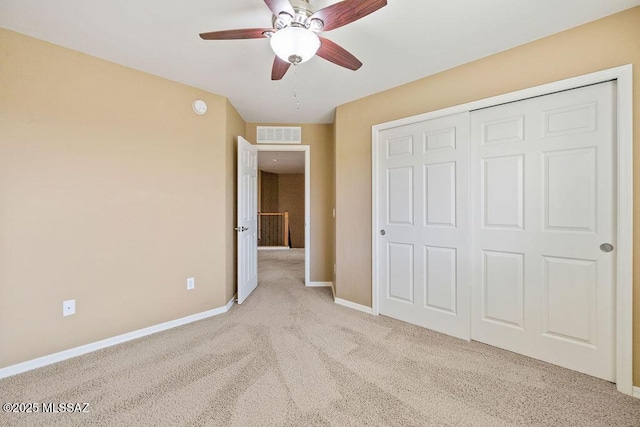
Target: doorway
[{"x": 288, "y": 169}]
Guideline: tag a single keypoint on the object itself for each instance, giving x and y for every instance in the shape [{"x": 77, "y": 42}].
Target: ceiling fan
[{"x": 293, "y": 36}]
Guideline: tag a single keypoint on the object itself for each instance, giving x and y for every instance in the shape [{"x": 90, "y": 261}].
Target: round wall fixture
[{"x": 199, "y": 106}]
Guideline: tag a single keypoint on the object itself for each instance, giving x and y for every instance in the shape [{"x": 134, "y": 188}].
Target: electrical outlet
[
  {"x": 191, "y": 283},
  {"x": 68, "y": 307}
]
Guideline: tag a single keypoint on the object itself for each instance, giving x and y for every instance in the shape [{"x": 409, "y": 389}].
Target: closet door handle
[{"x": 382, "y": 232}]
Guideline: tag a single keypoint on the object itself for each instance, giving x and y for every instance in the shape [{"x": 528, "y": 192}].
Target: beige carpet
[{"x": 290, "y": 356}]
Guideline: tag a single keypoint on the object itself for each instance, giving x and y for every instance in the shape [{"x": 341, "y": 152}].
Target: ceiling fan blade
[
  {"x": 278, "y": 6},
  {"x": 336, "y": 54},
  {"x": 279, "y": 69},
  {"x": 245, "y": 33},
  {"x": 347, "y": 11}
]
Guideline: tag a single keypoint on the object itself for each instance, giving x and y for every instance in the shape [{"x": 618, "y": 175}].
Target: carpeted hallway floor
[{"x": 290, "y": 356}]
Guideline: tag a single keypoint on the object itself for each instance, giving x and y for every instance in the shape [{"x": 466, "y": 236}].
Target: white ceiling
[
  {"x": 281, "y": 162},
  {"x": 402, "y": 42}
]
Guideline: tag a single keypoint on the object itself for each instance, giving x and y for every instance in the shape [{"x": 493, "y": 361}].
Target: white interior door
[
  {"x": 543, "y": 197},
  {"x": 247, "y": 226},
  {"x": 423, "y": 255}
]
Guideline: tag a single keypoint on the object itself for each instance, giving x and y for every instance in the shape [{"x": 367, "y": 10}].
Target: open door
[{"x": 247, "y": 219}]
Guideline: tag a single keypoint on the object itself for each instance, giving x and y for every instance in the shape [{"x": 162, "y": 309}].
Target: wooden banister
[
  {"x": 285, "y": 231},
  {"x": 274, "y": 231}
]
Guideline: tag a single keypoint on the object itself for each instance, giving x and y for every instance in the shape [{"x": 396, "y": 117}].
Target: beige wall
[
  {"x": 291, "y": 199},
  {"x": 268, "y": 192},
  {"x": 110, "y": 194},
  {"x": 334, "y": 203},
  {"x": 599, "y": 45},
  {"x": 320, "y": 138}
]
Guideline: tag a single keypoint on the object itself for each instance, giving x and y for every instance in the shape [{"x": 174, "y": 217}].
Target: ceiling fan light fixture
[
  {"x": 294, "y": 44},
  {"x": 316, "y": 25},
  {"x": 283, "y": 20}
]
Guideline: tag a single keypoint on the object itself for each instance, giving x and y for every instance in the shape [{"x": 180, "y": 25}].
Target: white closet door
[
  {"x": 423, "y": 258},
  {"x": 543, "y": 203}
]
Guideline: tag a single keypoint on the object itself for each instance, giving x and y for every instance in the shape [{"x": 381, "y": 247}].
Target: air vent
[{"x": 279, "y": 135}]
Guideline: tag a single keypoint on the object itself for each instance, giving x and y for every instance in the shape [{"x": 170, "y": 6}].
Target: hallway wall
[{"x": 291, "y": 199}]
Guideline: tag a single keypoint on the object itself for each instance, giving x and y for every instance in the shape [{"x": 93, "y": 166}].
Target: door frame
[
  {"x": 307, "y": 197},
  {"x": 624, "y": 203}
]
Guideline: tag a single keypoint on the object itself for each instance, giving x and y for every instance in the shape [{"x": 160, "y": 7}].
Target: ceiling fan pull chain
[{"x": 296, "y": 89}]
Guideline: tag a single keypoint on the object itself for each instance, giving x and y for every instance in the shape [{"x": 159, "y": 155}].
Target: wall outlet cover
[
  {"x": 191, "y": 283},
  {"x": 69, "y": 307}
]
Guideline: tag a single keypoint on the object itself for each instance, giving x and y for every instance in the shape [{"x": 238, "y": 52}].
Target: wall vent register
[{"x": 279, "y": 135}]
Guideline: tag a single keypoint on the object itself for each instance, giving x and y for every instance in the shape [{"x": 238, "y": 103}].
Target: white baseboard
[
  {"x": 273, "y": 248},
  {"x": 636, "y": 392},
  {"x": 98, "y": 345},
  {"x": 333, "y": 291},
  {"x": 231, "y": 302},
  {"x": 354, "y": 305},
  {"x": 320, "y": 285}
]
